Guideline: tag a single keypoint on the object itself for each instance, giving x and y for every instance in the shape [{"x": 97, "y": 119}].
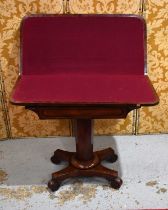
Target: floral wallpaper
[
  {"x": 3, "y": 133},
  {"x": 2, "y": 124},
  {"x": 154, "y": 119},
  {"x": 24, "y": 123}
]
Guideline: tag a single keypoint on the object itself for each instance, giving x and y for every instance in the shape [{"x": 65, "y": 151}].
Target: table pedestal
[{"x": 84, "y": 162}]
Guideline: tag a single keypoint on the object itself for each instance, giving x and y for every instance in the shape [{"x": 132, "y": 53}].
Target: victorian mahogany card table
[{"x": 83, "y": 67}]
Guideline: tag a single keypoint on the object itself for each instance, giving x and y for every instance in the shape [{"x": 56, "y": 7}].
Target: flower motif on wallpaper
[
  {"x": 2, "y": 124},
  {"x": 13, "y": 23},
  {"x": 82, "y": 6},
  {"x": 166, "y": 75},
  {"x": 13, "y": 50},
  {"x": 156, "y": 3},
  {"x": 4, "y": 36},
  {"x": 2, "y": 44},
  {"x": 156, "y": 74},
  {"x": 26, "y": 123},
  {"x": 161, "y": 40},
  {"x": 128, "y": 6},
  {"x": 7, "y": 8},
  {"x": 160, "y": 85},
  {"x": 162, "y": 12},
  {"x": 157, "y": 11},
  {"x": 9, "y": 75},
  {"x": 51, "y": 6},
  {"x": 161, "y": 114},
  {"x": 155, "y": 69},
  {"x": 29, "y": 124},
  {"x": 150, "y": 125},
  {"x": 10, "y": 78},
  {"x": 106, "y": 6},
  {"x": 153, "y": 59},
  {"x": 3, "y": 63},
  {"x": 111, "y": 126},
  {"x": 152, "y": 26},
  {"x": 164, "y": 62},
  {"x": 27, "y": 7}
]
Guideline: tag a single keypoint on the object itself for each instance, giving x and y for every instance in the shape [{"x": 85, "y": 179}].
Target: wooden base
[
  {"x": 90, "y": 168},
  {"x": 84, "y": 162}
]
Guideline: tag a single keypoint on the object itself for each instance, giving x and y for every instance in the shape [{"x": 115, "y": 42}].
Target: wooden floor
[{"x": 25, "y": 169}]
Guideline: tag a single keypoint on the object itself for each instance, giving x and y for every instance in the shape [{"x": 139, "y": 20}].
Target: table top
[
  {"x": 82, "y": 89},
  {"x": 83, "y": 59}
]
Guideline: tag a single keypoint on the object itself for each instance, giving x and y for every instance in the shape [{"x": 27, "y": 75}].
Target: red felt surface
[
  {"x": 82, "y": 43},
  {"x": 84, "y": 59},
  {"x": 102, "y": 89}
]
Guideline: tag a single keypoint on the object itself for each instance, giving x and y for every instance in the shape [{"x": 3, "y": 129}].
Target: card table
[{"x": 83, "y": 67}]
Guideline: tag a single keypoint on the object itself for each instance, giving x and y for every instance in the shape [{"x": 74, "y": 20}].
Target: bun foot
[
  {"x": 116, "y": 183},
  {"x": 55, "y": 160},
  {"x": 53, "y": 185},
  {"x": 113, "y": 158}
]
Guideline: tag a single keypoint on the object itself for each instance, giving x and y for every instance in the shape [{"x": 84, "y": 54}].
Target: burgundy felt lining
[
  {"x": 83, "y": 59},
  {"x": 82, "y": 43}
]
